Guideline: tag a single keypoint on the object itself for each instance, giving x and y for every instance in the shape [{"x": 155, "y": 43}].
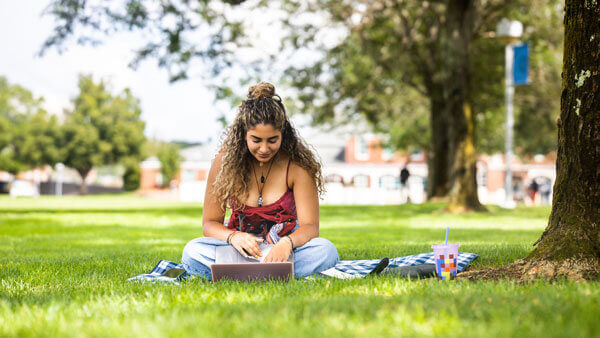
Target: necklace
[{"x": 263, "y": 180}]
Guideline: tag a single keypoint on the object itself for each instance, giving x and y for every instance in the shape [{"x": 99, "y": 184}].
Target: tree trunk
[
  {"x": 573, "y": 231},
  {"x": 83, "y": 187},
  {"x": 570, "y": 245},
  {"x": 438, "y": 158},
  {"x": 461, "y": 18}
]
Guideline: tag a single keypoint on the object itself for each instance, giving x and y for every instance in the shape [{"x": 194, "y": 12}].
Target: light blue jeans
[{"x": 316, "y": 255}]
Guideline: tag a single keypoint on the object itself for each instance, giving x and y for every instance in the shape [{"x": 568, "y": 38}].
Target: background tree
[
  {"x": 5, "y": 152},
  {"x": 170, "y": 161},
  {"x": 394, "y": 65},
  {"x": 37, "y": 140},
  {"x": 425, "y": 45},
  {"x": 132, "y": 175},
  {"x": 388, "y": 69},
  {"x": 102, "y": 128},
  {"x": 29, "y": 136}
]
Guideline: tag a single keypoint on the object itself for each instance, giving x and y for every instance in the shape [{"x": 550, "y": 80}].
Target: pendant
[
  {"x": 260, "y": 201},
  {"x": 262, "y": 179}
]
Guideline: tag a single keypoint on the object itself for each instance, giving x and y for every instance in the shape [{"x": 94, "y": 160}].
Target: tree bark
[
  {"x": 438, "y": 158},
  {"x": 573, "y": 230},
  {"x": 461, "y": 20},
  {"x": 83, "y": 187}
]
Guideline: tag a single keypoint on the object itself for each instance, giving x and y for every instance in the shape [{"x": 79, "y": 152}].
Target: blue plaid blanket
[{"x": 355, "y": 267}]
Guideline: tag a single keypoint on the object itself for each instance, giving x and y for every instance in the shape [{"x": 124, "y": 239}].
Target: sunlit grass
[{"x": 64, "y": 261}]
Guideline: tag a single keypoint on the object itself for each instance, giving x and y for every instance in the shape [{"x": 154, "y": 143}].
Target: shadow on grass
[
  {"x": 392, "y": 234},
  {"x": 328, "y": 212},
  {"x": 176, "y": 210}
]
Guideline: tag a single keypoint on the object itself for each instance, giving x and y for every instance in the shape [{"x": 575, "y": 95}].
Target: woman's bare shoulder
[
  {"x": 218, "y": 159},
  {"x": 216, "y": 164},
  {"x": 298, "y": 174}
]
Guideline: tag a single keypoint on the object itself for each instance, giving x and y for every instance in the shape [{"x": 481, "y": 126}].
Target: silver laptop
[{"x": 231, "y": 265}]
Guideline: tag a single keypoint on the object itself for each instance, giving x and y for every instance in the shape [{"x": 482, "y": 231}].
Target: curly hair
[{"x": 261, "y": 106}]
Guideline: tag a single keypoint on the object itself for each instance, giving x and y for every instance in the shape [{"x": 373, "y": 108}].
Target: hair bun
[{"x": 261, "y": 90}]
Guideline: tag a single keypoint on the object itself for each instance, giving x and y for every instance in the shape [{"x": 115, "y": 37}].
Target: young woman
[{"x": 270, "y": 179}]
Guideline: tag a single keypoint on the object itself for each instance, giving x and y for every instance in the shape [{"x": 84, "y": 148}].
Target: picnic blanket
[{"x": 359, "y": 268}]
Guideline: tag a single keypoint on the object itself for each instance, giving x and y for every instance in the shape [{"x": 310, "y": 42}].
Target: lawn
[{"x": 64, "y": 261}]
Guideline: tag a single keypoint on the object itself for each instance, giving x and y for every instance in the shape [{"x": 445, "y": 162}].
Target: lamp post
[
  {"x": 59, "y": 178},
  {"x": 509, "y": 31}
]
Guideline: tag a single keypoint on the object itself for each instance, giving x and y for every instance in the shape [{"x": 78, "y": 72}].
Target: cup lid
[{"x": 445, "y": 246}]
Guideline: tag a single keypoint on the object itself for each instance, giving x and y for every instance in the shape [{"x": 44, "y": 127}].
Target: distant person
[
  {"x": 533, "y": 190},
  {"x": 404, "y": 191},
  {"x": 271, "y": 180}
]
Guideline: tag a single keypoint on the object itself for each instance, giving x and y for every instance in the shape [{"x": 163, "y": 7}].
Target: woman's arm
[
  {"x": 212, "y": 214},
  {"x": 306, "y": 197}
]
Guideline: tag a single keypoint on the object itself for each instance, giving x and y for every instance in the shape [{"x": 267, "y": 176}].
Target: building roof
[
  {"x": 201, "y": 153},
  {"x": 329, "y": 146}
]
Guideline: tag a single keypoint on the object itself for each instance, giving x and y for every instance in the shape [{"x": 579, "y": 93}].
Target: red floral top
[{"x": 259, "y": 220}]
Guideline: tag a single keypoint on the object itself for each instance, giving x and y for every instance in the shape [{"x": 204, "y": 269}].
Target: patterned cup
[{"x": 446, "y": 259}]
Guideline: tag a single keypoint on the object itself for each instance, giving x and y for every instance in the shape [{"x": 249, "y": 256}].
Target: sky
[{"x": 183, "y": 111}]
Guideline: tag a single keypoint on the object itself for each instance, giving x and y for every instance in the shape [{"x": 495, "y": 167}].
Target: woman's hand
[
  {"x": 280, "y": 252},
  {"x": 246, "y": 244}
]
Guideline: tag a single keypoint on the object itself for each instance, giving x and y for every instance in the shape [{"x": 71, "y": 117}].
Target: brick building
[{"x": 360, "y": 170}]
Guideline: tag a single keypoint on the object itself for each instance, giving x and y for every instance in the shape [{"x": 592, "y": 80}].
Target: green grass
[{"x": 63, "y": 265}]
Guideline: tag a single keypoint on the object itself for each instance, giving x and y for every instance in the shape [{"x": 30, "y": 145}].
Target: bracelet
[
  {"x": 291, "y": 241},
  {"x": 230, "y": 236}
]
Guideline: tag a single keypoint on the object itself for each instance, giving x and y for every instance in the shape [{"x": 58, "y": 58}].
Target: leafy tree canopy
[
  {"x": 383, "y": 69},
  {"x": 102, "y": 128},
  {"x": 386, "y": 66},
  {"x": 169, "y": 26},
  {"x": 29, "y": 136},
  {"x": 170, "y": 161}
]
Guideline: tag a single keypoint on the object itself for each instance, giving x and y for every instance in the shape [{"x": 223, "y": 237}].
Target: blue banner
[{"x": 521, "y": 64}]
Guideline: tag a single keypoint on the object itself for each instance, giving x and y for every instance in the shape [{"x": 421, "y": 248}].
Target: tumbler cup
[{"x": 446, "y": 259}]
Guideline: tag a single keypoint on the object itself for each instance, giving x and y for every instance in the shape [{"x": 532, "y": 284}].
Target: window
[
  {"x": 361, "y": 149},
  {"x": 188, "y": 175},
  {"x": 417, "y": 156},
  {"x": 361, "y": 181},
  {"x": 389, "y": 182},
  {"x": 387, "y": 154},
  {"x": 334, "y": 178},
  {"x": 481, "y": 175}
]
